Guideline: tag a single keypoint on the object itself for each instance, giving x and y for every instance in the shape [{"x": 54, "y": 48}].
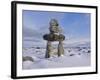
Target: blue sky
[{"x": 74, "y": 25}]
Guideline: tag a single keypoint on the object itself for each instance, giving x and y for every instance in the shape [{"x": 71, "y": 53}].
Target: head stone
[
  {"x": 54, "y": 22},
  {"x": 54, "y": 26}
]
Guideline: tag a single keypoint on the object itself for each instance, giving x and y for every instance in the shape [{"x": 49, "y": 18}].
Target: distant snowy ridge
[
  {"x": 78, "y": 44},
  {"x": 75, "y": 44}
]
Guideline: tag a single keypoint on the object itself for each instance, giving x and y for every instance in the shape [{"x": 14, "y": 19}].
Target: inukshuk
[{"x": 54, "y": 35}]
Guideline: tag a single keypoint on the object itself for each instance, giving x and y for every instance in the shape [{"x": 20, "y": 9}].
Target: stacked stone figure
[{"x": 54, "y": 35}]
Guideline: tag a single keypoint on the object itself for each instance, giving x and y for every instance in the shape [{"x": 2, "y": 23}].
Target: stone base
[{"x": 60, "y": 49}]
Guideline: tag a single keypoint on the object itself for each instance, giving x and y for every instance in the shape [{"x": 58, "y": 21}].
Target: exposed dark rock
[
  {"x": 28, "y": 58},
  {"x": 71, "y": 54}
]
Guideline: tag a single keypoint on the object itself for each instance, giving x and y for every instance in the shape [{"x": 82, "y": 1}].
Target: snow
[{"x": 73, "y": 57}]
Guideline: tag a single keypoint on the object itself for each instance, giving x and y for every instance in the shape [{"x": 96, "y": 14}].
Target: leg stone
[
  {"x": 60, "y": 49},
  {"x": 48, "y": 49}
]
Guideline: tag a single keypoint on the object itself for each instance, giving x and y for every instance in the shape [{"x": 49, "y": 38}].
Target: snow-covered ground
[{"x": 73, "y": 57}]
